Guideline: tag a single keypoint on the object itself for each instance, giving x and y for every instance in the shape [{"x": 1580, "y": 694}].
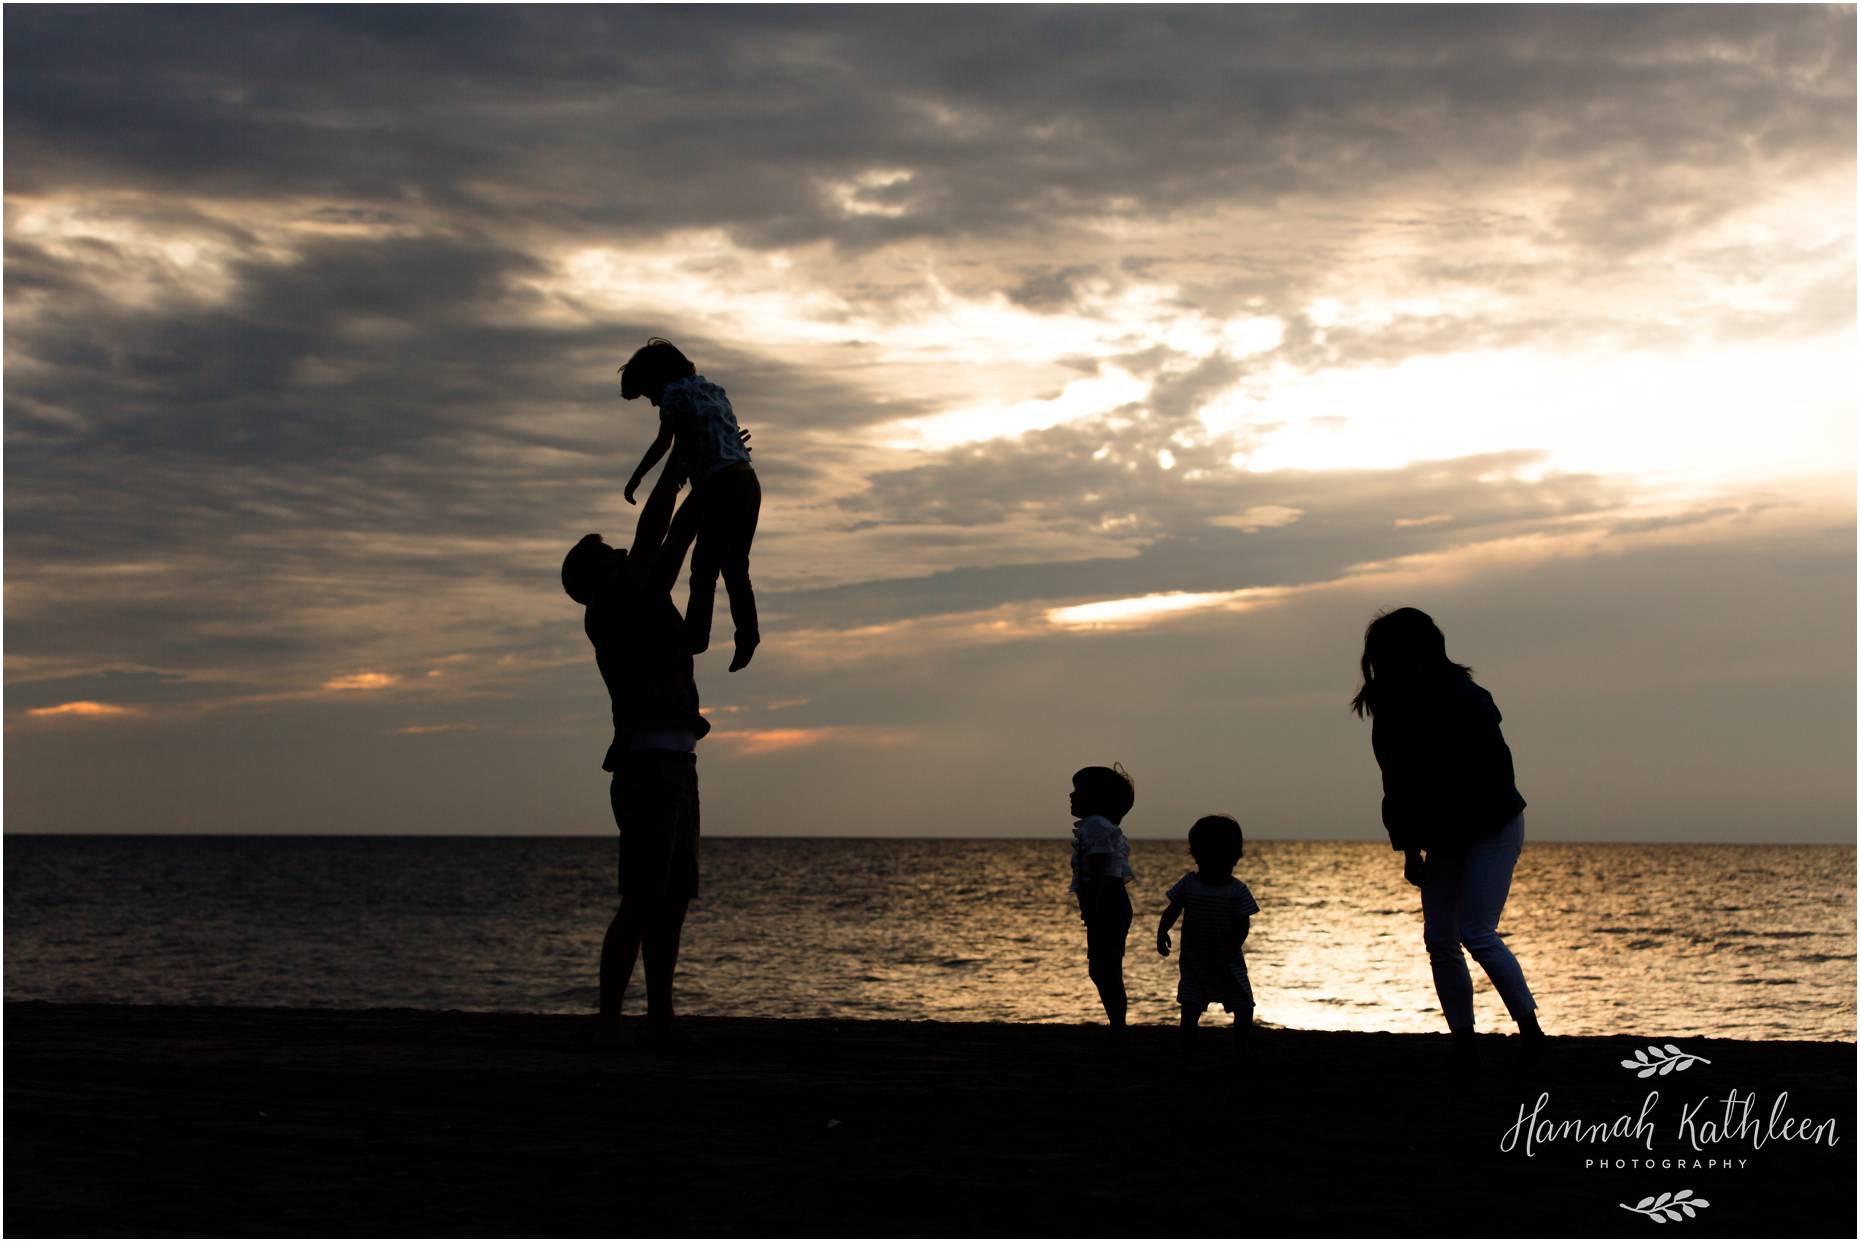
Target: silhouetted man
[{"x": 645, "y": 659}]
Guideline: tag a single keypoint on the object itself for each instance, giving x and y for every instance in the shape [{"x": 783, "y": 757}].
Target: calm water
[{"x": 1750, "y": 941}]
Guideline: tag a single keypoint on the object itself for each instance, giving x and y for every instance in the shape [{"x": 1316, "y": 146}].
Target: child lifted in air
[
  {"x": 698, "y": 426},
  {"x": 1218, "y": 910}
]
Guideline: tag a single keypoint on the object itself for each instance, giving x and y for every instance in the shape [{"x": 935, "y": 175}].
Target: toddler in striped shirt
[{"x": 1216, "y": 910}]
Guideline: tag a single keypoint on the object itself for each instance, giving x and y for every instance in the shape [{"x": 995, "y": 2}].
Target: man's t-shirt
[{"x": 643, "y": 651}]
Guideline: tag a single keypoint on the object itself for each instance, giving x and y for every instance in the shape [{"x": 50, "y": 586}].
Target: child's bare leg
[
  {"x": 1107, "y": 924},
  {"x": 1109, "y": 978}
]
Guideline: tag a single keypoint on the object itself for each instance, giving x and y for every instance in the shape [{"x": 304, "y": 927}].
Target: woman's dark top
[{"x": 1446, "y": 772}]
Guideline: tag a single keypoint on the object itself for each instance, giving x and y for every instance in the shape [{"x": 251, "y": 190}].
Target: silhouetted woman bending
[{"x": 1451, "y": 804}]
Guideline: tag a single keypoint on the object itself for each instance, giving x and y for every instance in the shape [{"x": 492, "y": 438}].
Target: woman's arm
[
  {"x": 1414, "y": 867},
  {"x": 1402, "y": 780}
]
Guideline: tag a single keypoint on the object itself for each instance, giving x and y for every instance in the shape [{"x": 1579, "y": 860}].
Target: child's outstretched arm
[
  {"x": 1169, "y": 915},
  {"x": 661, "y": 445}
]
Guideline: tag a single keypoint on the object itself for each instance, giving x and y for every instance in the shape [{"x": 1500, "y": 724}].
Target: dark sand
[{"x": 178, "y": 1121}]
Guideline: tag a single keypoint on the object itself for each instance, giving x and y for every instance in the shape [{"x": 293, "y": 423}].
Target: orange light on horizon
[
  {"x": 764, "y": 741},
  {"x": 361, "y": 681},
  {"x": 84, "y": 707},
  {"x": 756, "y": 741}
]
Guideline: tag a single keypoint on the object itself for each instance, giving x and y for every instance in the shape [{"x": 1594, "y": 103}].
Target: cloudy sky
[{"x": 1108, "y": 369}]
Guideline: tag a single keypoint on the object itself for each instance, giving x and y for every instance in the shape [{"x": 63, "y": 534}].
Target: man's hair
[
  {"x": 1108, "y": 791},
  {"x": 583, "y": 566},
  {"x": 654, "y": 365},
  {"x": 1216, "y": 842}
]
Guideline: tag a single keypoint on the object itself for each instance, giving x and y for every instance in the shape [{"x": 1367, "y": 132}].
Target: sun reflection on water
[{"x": 1655, "y": 939}]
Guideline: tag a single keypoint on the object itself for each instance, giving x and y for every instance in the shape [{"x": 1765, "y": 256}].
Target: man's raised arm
[{"x": 663, "y": 535}]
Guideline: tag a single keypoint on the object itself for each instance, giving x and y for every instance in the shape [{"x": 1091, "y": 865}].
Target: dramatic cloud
[{"x": 1095, "y": 356}]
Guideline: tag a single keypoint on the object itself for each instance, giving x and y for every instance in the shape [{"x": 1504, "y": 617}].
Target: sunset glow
[
  {"x": 765, "y": 741},
  {"x": 361, "y": 681},
  {"x": 1088, "y": 420},
  {"x": 82, "y": 708}
]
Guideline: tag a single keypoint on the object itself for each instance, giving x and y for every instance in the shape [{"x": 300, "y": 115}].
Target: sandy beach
[{"x": 188, "y": 1121}]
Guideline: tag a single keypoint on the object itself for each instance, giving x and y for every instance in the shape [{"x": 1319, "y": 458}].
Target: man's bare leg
[
  {"x": 663, "y": 928},
  {"x": 619, "y": 950}
]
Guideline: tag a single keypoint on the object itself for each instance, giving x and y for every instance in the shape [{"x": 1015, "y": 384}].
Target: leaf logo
[
  {"x": 1674, "y": 1205},
  {"x": 1654, "y": 1059}
]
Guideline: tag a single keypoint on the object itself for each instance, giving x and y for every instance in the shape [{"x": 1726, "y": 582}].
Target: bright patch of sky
[
  {"x": 1743, "y": 412},
  {"x": 1662, "y": 367}
]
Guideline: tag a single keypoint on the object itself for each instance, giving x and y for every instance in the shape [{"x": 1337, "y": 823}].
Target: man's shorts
[{"x": 655, "y": 801}]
